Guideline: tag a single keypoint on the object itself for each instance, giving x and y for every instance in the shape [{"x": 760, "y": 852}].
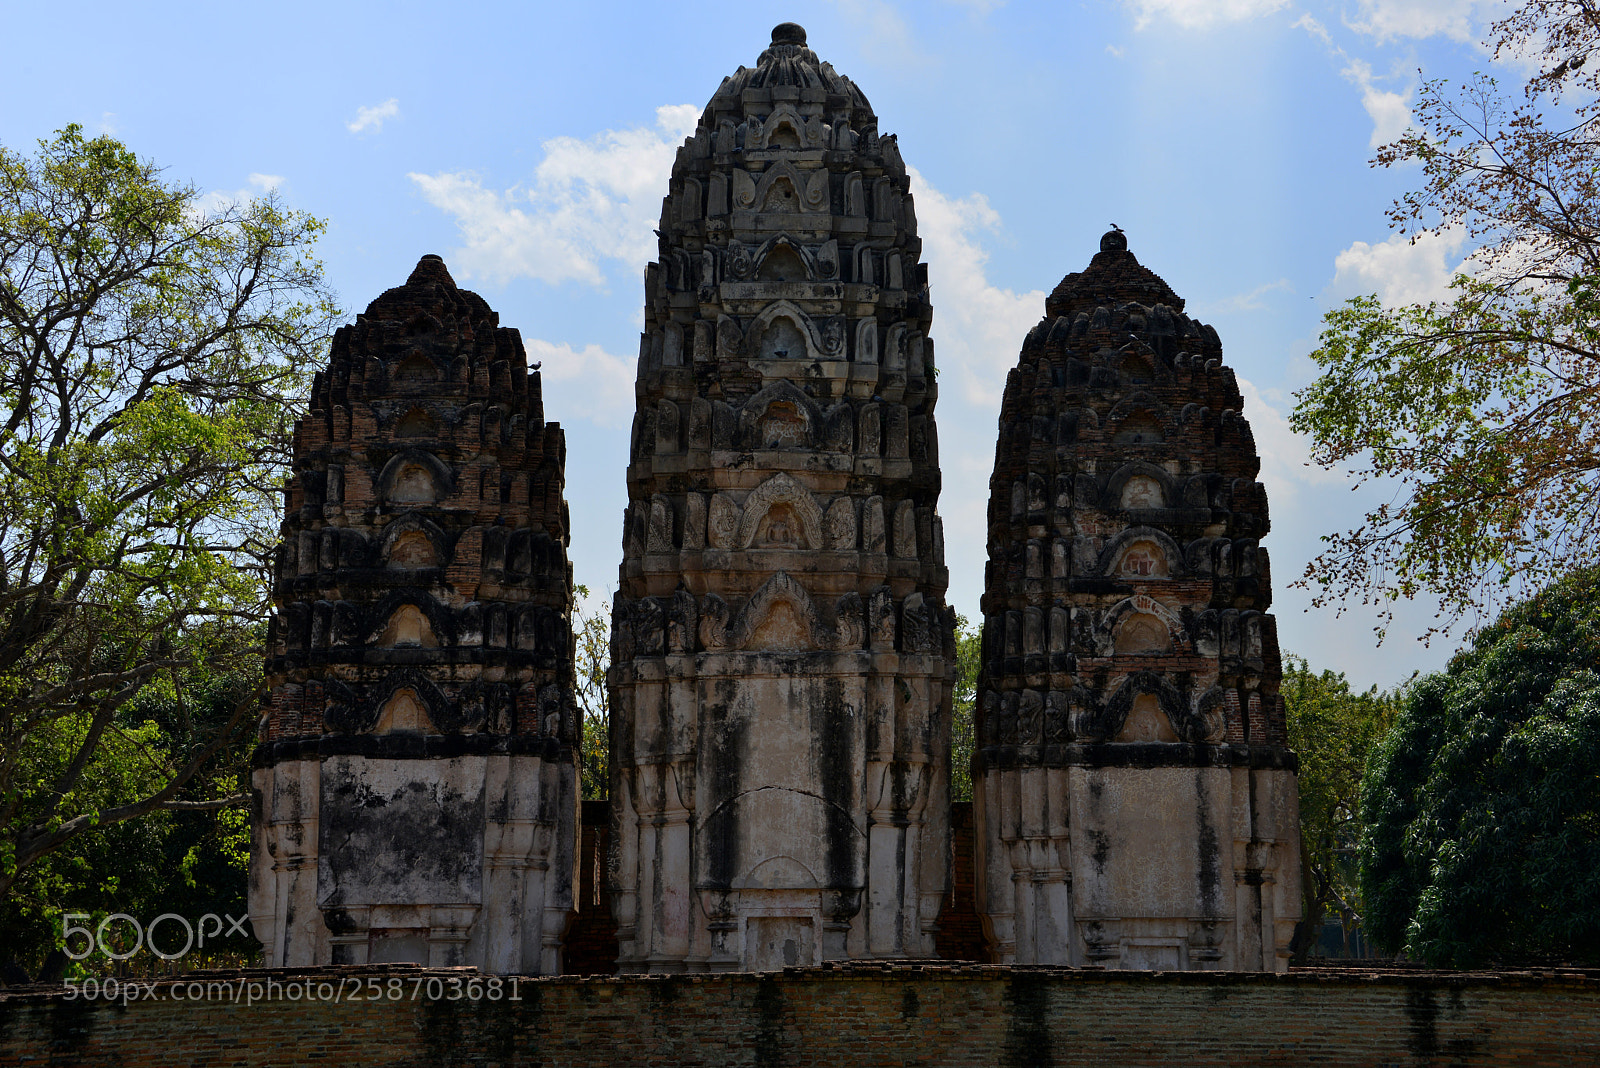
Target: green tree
[
  {"x": 153, "y": 352},
  {"x": 1479, "y": 414},
  {"x": 593, "y": 633},
  {"x": 1483, "y": 801},
  {"x": 188, "y": 862},
  {"x": 1333, "y": 731},
  {"x": 964, "y": 701}
]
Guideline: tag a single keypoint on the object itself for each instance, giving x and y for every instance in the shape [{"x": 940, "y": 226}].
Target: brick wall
[
  {"x": 591, "y": 947},
  {"x": 960, "y": 932},
  {"x": 860, "y": 1014}
]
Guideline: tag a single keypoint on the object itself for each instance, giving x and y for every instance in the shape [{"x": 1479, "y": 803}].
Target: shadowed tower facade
[
  {"x": 782, "y": 650},
  {"x": 416, "y": 790},
  {"x": 1135, "y": 799}
]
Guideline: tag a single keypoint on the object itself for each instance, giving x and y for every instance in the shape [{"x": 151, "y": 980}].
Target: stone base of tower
[
  {"x": 1141, "y": 866},
  {"x": 432, "y": 858},
  {"x": 810, "y": 824}
]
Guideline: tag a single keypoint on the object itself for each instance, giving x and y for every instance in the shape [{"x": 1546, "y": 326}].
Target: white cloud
[
  {"x": 220, "y": 200},
  {"x": 978, "y": 329},
  {"x": 588, "y": 384},
  {"x": 980, "y": 326},
  {"x": 979, "y": 8},
  {"x": 1251, "y": 301},
  {"x": 1315, "y": 29},
  {"x": 1389, "y": 111},
  {"x": 1114, "y": 52},
  {"x": 1286, "y": 465},
  {"x": 1399, "y": 270},
  {"x": 591, "y": 200},
  {"x": 1197, "y": 14},
  {"x": 1459, "y": 20},
  {"x": 374, "y": 117}
]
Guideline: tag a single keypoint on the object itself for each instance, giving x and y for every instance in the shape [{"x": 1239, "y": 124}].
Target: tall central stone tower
[{"x": 783, "y": 654}]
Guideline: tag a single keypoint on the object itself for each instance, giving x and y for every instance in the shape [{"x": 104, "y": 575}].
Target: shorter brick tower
[
  {"x": 416, "y": 786},
  {"x": 1135, "y": 799}
]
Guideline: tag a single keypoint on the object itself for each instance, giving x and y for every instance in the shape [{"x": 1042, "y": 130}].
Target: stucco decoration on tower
[
  {"x": 416, "y": 790},
  {"x": 782, "y": 650},
  {"x": 1136, "y": 802}
]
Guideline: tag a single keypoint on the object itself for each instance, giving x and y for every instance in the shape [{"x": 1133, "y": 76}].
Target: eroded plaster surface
[
  {"x": 782, "y": 651},
  {"x": 415, "y": 780},
  {"x": 1135, "y": 797}
]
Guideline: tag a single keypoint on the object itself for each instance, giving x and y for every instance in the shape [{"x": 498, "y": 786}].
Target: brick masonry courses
[
  {"x": 1136, "y": 800},
  {"x": 415, "y": 784},
  {"x": 855, "y": 1013}
]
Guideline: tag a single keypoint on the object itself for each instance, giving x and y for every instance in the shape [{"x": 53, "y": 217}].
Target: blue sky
[{"x": 529, "y": 145}]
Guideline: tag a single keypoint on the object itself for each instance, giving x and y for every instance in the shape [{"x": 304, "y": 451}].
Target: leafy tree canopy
[
  {"x": 1481, "y": 411},
  {"x": 1483, "y": 802},
  {"x": 963, "y": 701},
  {"x": 592, "y": 631},
  {"x": 153, "y": 351},
  {"x": 1334, "y": 731}
]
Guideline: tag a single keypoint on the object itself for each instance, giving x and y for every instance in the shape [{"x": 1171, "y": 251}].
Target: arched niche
[
  {"x": 415, "y": 369},
  {"x": 411, "y": 550},
  {"x": 411, "y": 542},
  {"x": 783, "y": 264},
  {"x": 414, "y": 477},
  {"x": 1146, "y": 722},
  {"x": 416, "y": 423},
  {"x": 1147, "y": 707},
  {"x": 780, "y": 416},
  {"x": 780, "y": 514},
  {"x": 1137, "y": 420},
  {"x": 1164, "y": 555},
  {"x": 784, "y": 332},
  {"x": 783, "y": 129},
  {"x": 404, "y": 712},
  {"x": 423, "y": 323},
  {"x": 779, "y": 616},
  {"x": 784, "y": 189},
  {"x": 782, "y": 339},
  {"x": 1138, "y": 368},
  {"x": 1142, "y": 491},
  {"x": 782, "y": 195},
  {"x": 1142, "y": 634},
  {"x": 408, "y": 628},
  {"x": 1139, "y": 428},
  {"x": 1143, "y": 558}
]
